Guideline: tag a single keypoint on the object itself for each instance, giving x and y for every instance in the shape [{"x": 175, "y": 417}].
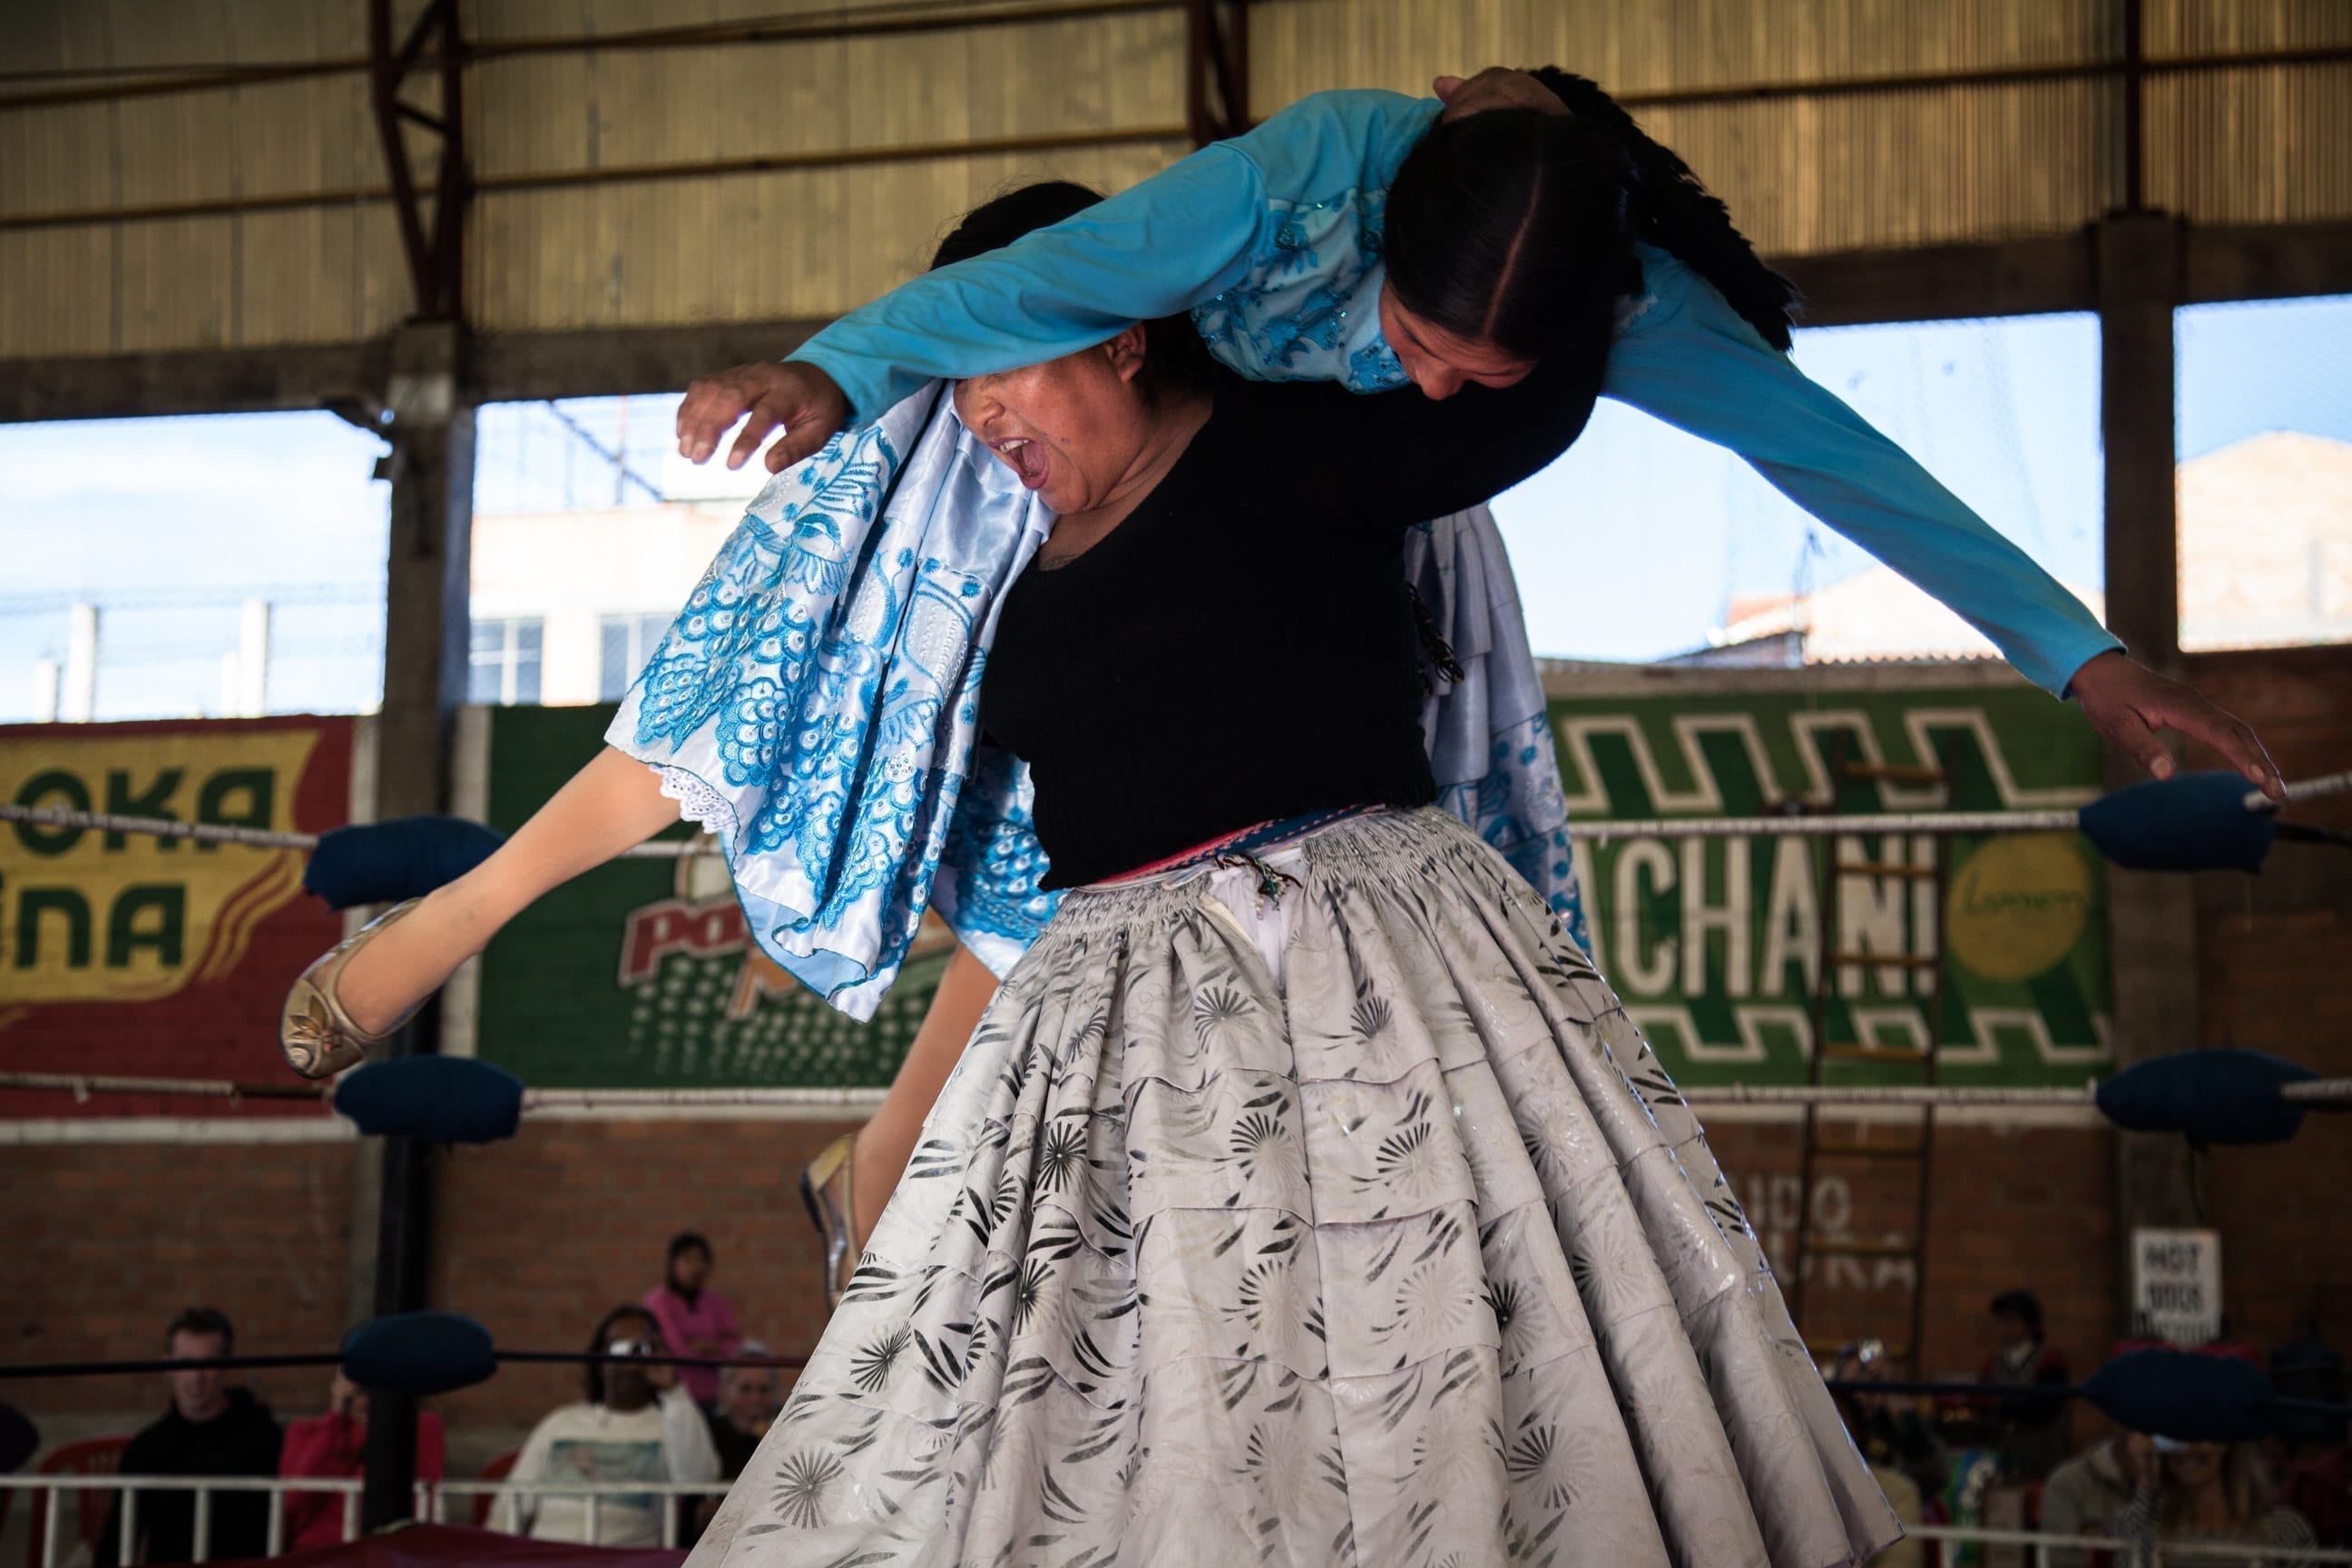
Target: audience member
[
  {"x": 2202, "y": 1492},
  {"x": 636, "y": 1424},
  {"x": 2034, "y": 1431},
  {"x": 335, "y": 1445},
  {"x": 695, "y": 1319},
  {"x": 1865, "y": 1362},
  {"x": 212, "y": 1429},
  {"x": 748, "y": 1398},
  {"x": 2083, "y": 1497},
  {"x": 2313, "y": 1459},
  {"x": 2319, "y": 1487}
]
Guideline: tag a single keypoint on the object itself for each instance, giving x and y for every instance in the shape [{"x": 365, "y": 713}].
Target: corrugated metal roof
[{"x": 1891, "y": 167}]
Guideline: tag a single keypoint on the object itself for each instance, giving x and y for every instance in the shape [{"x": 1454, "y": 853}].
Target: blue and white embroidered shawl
[
  {"x": 817, "y": 701},
  {"x": 1489, "y": 735}
]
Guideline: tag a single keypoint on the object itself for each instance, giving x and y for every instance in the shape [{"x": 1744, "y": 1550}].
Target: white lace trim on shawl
[{"x": 697, "y": 802}]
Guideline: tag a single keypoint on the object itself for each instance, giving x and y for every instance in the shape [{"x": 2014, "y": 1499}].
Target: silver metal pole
[
  {"x": 126, "y": 1545},
  {"x": 274, "y": 1541},
  {"x": 350, "y": 1516},
  {"x": 596, "y": 1521},
  {"x": 204, "y": 1525},
  {"x": 52, "y": 1516}
]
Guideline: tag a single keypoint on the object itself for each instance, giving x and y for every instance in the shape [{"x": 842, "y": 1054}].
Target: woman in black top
[
  {"x": 1246, "y": 599},
  {"x": 1304, "y": 1196}
]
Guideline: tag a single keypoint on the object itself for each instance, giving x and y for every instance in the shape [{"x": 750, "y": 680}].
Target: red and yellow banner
[{"x": 126, "y": 953}]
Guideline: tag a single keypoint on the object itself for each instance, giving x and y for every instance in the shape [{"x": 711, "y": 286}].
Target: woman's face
[
  {"x": 2193, "y": 1466},
  {"x": 1072, "y": 428},
  {"x": 1439, "y": 363}
]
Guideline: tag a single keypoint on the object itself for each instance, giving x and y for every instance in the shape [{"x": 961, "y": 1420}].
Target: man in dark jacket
[
  {"x": 210, "y": 1429},
  {"x": 2034, "y": 1430}
]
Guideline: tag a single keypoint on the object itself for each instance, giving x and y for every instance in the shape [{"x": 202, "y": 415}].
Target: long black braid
[{"x": 1679, "y": 216}]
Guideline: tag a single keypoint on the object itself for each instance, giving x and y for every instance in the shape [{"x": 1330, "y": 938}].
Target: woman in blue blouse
[
  {"x": 1285, "y": 245},
  {"x": 1273, "y": 241}
]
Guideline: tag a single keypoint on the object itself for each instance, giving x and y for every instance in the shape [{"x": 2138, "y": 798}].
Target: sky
[{"x": 1631, "y": 546}]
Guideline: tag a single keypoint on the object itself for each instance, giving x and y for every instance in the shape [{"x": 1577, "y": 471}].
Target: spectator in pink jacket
[
  {"x": 335, "y": 1445},
  {"x": 694, "y": 1317}
]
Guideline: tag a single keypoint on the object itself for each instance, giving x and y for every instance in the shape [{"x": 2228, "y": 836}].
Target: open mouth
[{"x": 1027, "y": 458}]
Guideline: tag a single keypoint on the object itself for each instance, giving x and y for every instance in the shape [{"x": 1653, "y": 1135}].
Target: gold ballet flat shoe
[
  {"x": 833, "y": 1221},
  {"x": 317, "y": 1036}
]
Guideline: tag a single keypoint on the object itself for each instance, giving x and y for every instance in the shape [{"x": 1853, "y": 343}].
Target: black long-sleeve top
[
  {"x": 242, "y": 1441},
  {"x": 1242, "y": 648}
]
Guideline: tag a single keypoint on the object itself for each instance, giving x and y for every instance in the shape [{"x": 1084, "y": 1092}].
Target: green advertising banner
[
  {"x": 1717, "y": 944},
  {"x": 641, "y": 973}
]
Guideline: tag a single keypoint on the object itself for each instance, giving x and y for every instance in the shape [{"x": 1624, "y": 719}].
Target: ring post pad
[
  {"x": 441, "y": 1099},
  {"x": 2194, "y": 822},
  {"x": 2183, "y": 1395},
  {"x": 2217, "y": 1095},
  {"x": 419, "y": 1353},
  {"x": 405, "y": 858}
]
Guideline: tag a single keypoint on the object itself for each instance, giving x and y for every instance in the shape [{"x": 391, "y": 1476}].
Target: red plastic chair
[
  {"x": 497, "y": 1469},
  {"x": 88, "y": 1457}
]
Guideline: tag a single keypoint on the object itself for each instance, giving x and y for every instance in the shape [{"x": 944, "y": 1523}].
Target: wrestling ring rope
[{"x": 2189, "y": 790}]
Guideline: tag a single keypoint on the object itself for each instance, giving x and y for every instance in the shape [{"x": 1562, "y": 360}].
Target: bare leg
[
  {"x": 885, "y": 1143},
  {"x": 613, "y": 803}
]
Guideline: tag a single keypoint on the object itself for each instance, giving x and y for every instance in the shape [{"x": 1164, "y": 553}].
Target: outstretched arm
[
  {"x": 1691, "y": 361},
  {"x": 1155, "y": 249}
]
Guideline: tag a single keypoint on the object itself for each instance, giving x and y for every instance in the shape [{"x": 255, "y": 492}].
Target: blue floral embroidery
[
  {"x": 1309, "y": 308},
  {"x": 1375, "y": 368},
  {"x": 993, "y": 862},
  {"x": 820, "y": 689}
]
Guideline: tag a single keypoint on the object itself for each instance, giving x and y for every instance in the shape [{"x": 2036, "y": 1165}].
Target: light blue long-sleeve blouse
[{"x": 1273, "y": 242}]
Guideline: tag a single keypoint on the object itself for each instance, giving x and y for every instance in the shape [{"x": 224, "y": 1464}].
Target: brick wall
[
  {"x": 540, "y": 1235},
  {"x": 102, "y": 1243},
  {"x": 2278, "y": 982},
  {"x": 2013, "y": 1206},
  {"x": 2274, "y": 973}
]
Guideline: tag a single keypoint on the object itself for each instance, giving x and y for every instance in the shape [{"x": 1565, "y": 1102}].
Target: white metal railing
[
  {"x": 429, "y": 1495},
  {"x": 2130, "y": 1554},
  {"x": 671, "y": 1491},
  {"x": 60, "y": 1525}
]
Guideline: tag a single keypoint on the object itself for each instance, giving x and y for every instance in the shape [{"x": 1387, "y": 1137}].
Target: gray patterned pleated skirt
[{"x": 1355, "y": 1225}]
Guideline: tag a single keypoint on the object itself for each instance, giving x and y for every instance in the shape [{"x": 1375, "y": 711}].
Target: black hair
[
  {"x": 202, "y": 1321},
  {"x": 1515, "y": 228},
  {"x": 1174, "y": 358},
  {"x": 602, "y": 1340},
  {"x": 691, "y": 1241},
  {"x": 1675, "y": 212},
  {"x": 1500, "y": 225},
  {"x": 2022, "y": 1305}
]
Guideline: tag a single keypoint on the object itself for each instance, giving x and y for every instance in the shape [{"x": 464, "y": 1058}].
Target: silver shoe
[
  {"x": 835, "y": 1162},
  {"x": 317, "y": 1036}
]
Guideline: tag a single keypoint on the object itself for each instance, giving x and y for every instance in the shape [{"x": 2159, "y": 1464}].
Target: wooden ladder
[{"x": 1923, "y": 924}]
